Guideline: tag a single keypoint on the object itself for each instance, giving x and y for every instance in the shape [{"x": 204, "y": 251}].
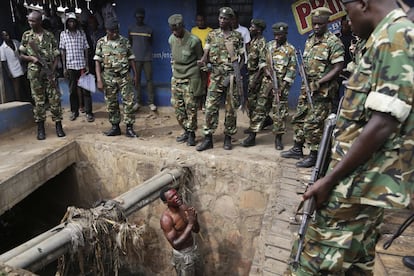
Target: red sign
[{"x": 302, "y": 12}]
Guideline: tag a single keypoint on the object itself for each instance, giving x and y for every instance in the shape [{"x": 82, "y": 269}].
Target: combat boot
[
  {"x": 206, "y": 144},
  {"x": 227, "y": 142},
  {"x": 183, "y": 137},
  {"x": 130, "y": 131},
  {"x": 250, "y": 140},
  {"x": 191, "y": 138},
  {"x": 41, "y": 134},
  {"x": 309, "y": 161},
  {"x": 59, "y": 130},
  {"x": 295, "y": 152},
  {"x": 278, "y": 142},
  {"x": 114, "y": 131}
]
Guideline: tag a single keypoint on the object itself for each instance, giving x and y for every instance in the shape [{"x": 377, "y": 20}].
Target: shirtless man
[{"x": 178, "y": 222}]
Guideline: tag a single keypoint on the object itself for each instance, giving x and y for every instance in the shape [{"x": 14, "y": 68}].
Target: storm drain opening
[{"x": 229, "y": 195}]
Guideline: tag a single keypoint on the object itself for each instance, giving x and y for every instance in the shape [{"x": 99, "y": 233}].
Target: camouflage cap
[
  {"x": 226, "y": 11},
  {"x": 280, "y": 27},
  {"x": 112, "y": 24},
  {"x": 322, "y": 12},
  {"x": 259, "y": 23},
  {"x": 175, "y": 20}
]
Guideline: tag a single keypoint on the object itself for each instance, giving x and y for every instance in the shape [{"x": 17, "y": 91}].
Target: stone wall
[{"x": 229, "y": 194}]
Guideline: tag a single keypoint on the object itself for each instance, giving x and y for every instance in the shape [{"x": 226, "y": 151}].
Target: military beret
[
  {"x": 112, "y": 24},
  {"x": 139, "y": 12},
  {"x": 280, "y": 27},
  {"x": 322, "y": 11},
  {"x": 226, "y": 11},
  {"x": 259, "y": 23},
  {"x": 175, "y": 19}
]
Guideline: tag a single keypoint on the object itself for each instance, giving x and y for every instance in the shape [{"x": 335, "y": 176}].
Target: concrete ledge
[{"x": 15, "y": 116}]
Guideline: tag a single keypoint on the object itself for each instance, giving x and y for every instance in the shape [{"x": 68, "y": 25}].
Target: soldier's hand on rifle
[{"x": 321, "y": 190}]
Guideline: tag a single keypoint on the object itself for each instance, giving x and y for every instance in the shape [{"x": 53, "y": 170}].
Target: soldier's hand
[{"x": 321, "y": 190}]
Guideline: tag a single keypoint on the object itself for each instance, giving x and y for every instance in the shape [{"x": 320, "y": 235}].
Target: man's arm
[
  {"x": 373, "y": 136},
  {"x": 167, "y": 225},
  {"x": 333, "y": 74}
]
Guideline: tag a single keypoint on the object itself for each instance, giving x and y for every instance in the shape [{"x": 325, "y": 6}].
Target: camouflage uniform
[
  {"x": 319, "y": 57},
  {"x": 41, "y": 86},
  {"x": 222, "y": 69},
  {"x": 186, "y": 80},
  {"x": 114, "y": 56},
  {"x": 346, "y": 230},
  {"x": 284, "y": 65},
  {"x": 255, "y": 99}
]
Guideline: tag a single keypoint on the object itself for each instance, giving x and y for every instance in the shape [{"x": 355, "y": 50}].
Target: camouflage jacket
[
  {"x": 185, "y": 53},
  {"x": 319, "y": 57},
  {"x": 114, "y": 55},
  {"x": 284, "y": 60},
  {"x": 218, "y": 54},
  {"x": 256, "y": 47},
  {"x": 47, "y": 47},
  {"x": 382, "y": 81}
]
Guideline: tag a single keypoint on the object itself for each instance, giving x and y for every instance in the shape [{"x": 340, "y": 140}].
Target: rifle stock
[
  {"x": 237, "y": 75},
  {"x": 318, "y": 171},
  {"x": 275, "y": 85},
  {"x": 302, "y": 72}
]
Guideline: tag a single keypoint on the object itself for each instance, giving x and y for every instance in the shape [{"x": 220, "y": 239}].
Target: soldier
[
  {"x": 372, "y": 162},
  {"x": 179, "y": 222},
  {"x": 113, "y": 61},
  {"x": 39, "y": 47},
  {"x": 323, "y": 59},
  {"x": 256, "y": 100},
  {"x": 223, "y": 46},
  {"x": 186, "y": 80}
]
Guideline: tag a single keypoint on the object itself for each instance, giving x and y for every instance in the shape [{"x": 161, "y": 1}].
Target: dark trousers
[{"x": 85, "y": 95}]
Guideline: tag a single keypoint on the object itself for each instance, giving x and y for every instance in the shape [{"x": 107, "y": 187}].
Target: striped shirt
[{"x": 74, "y": 43}]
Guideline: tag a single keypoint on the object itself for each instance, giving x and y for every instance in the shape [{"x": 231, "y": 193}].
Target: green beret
[
  {"x": 280, "y": 27},
  {"x": 140, "y": 12},
  {"x": 175, "y": 20},
  {"x": 322, "y": 11},
  {"x": 259, "y": 23},
  {"x": 226, "y": 11},
  {"x": 112, "y": 24}
]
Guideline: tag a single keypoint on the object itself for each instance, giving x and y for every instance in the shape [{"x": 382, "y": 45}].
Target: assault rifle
[
  {"x": 319, "y": 171},
  {"x": 302, "y": 72},
  {"x": 45, "y": 68},
  {"x": 237, "y": 75},
  {"x": 273, "y": 76}
]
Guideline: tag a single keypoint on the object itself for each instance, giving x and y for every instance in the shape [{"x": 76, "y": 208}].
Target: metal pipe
[{"x": 47, "y": 247}]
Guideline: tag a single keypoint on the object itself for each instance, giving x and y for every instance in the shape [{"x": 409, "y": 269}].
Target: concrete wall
[{"x": 229, "y": 195}]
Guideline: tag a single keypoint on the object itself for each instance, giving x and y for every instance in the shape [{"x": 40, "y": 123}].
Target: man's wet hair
[{"x": 163, "y": 191}]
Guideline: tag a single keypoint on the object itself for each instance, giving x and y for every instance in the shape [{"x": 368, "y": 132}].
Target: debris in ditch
[{"x": 105, "y": 243}]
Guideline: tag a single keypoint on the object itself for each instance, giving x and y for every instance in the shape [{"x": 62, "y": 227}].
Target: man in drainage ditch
[{"x": 178, "y": 223}]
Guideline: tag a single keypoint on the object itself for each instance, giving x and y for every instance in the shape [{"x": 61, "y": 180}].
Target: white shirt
[
  {"x": 246, "y": 39},
  {"x": 12, "y": 58}
]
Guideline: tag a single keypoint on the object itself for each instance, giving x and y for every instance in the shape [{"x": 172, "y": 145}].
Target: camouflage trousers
[
  {"x": 341, "y": 241},
  {"x": 184, "y": 103},
  {"x": 42, "y": 89},
  {"x": 187, "y": 262},
  {"x": 308, "y": 124},
  {"x": 216, "y": 92},
  {"x": 113, "y": 83}
]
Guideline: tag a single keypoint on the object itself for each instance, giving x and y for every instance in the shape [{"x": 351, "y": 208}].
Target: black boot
[
  {"x": 59, "y": 130},
  {"x": 114, "y": 131},
  {"x": 183, "y": 137},
  {"x": 191, "y": 138},
  {"x": 41, "y": 134},
  {"x": 130, "y": 131},
  {"x": 250, "y": 140},
  {"x": 295, "y": 152},
  {"x": 227, "y": 142},
  {"x": 206, "y": 144},
  {"x": 278, "y": 142},
  {"x": 309, "y": 161},
  {"x": 408, "y": 261},
  {"x": 267, "y": 122}
]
